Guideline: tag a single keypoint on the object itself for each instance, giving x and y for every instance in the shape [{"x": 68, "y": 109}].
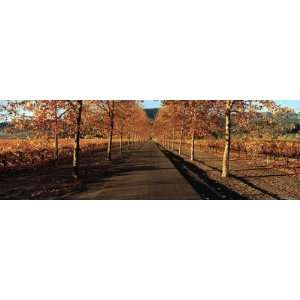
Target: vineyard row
[
  {"x": 286, "y": 149},
  {"x": 29, "y": 154}
]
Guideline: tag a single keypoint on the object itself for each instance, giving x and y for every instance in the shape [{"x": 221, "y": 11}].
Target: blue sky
[
  {"x": 151, "y": 103},
  {"x": 295, "y": 104}
]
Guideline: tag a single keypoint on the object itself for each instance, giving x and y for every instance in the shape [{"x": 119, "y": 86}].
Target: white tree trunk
[
  {"x": 193, "y": 145},
  {"x": 181, "y": 137},
  {"x": 226, "y": 156},
  {"x": 173, "y": 139}
]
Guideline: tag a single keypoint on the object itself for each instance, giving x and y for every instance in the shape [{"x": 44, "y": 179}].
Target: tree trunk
[
  {"x": 76, "y": 149},
  {"x": 226, "y": 156},
  {"x": 181, "y": 137},
  {"x": 56, "y": 135},
  {"x": 193, "y": 135},
  {"x": 121, "y": 142},
  {"x": 193, "y": 145},
  {"x": 56, "y": 147},
  {"x": 173, "y": 139},
  {"x": 108, "y": 157}
]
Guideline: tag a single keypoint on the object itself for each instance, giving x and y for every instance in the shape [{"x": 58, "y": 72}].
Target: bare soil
[
  {"x": 55, "y": 182},
  {"x": 249, "y": 179}
]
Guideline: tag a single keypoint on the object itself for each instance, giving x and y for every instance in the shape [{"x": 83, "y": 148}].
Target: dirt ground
[
  {"x": 55, "y": 182},
  {"x": 250, "y": 179}
]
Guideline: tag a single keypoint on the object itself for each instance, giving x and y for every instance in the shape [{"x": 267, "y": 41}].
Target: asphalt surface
[{"x": 146, "y": 174}]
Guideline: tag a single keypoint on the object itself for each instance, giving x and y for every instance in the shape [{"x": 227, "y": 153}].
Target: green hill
[{"x": 151, "y": 112}]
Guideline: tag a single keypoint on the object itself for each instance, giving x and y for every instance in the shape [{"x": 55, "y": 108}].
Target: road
[{"x": 146, "y": 174}]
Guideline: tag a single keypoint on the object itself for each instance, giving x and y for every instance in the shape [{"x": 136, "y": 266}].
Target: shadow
[
  {"x": 117, "y": 168},
  {"x": 243, "y": 180},
  {"x": 130, "y": 178},
  {"x": 252, "y": 169},
  {"x": 263, "y": 176},
  {"x": 206, "y": 187}
]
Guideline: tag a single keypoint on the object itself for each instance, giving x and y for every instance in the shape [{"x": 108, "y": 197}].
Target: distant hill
[
  {"x": 3, "y": 125},
  {"x": 151, "y": 112}
]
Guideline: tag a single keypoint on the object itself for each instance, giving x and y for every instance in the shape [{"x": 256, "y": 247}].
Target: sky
[
  {"x": 295, "y": 104},
  {"x": 151, "y": 103}
]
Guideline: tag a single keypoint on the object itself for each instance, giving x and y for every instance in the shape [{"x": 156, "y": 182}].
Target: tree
[
  {"x": 47, "y": 119},
  {"x": 76, "y": 107},
  {"x": 3, "y": 113},
  {"x": 203, "y": 118},
  {"x": 108, "y": 108},
  {"x": 40, "y": 117},
  {"x": 111, "y": 115},
  {"x": 215, "y": 118},
  {"x": 226, "y": 156},
  {"x": 181, "y": 116},
  {"x": 123, "y": 115},
  {"x": 244, "y": 112}
]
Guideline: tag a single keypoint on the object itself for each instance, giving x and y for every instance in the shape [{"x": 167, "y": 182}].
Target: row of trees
[
  {"x": 78, "y": 118},
  {"x": 193, "y": 119}
]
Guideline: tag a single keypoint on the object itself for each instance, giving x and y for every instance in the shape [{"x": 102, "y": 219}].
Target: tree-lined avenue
[{"x": 146, "y": 174}]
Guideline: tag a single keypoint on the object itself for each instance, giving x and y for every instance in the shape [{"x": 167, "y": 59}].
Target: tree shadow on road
[
  {"x": 118, "y": 168},
  {"x": 206, "y": 187}
]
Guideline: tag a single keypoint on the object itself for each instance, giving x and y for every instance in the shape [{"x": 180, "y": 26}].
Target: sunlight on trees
[
  {"x": 215, "y": 119},
  {"x": 51, "y": 122}
]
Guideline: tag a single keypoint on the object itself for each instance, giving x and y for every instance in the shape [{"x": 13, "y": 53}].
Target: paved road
[{"x": 146, "y": 174}]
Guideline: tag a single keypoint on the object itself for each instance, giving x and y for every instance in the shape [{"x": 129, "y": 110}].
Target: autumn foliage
[
  {"x": 190, "y": 122},
  {"x": 49, "y": 130}
]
